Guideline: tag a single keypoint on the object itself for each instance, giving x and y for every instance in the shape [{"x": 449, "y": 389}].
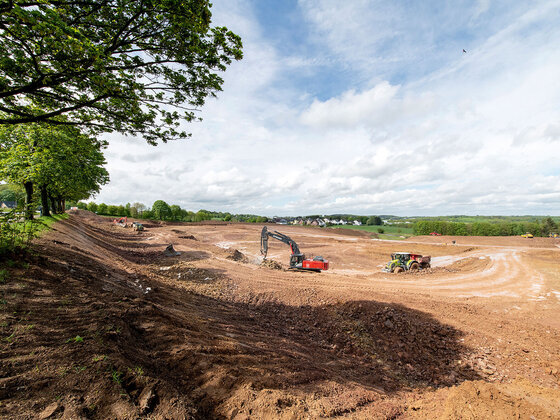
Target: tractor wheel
[
  {"x": 398, "y": 270},
  {"x": 413, "y": 266}
]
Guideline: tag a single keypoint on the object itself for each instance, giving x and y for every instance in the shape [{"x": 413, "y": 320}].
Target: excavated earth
[{"x": 97, "y": 322}]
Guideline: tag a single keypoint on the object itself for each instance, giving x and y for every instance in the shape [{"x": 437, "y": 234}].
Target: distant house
[
  {"x": 357, "y": 223},
  {"x": 8, "y": 205},
  {"x": 282, "y": 222}
]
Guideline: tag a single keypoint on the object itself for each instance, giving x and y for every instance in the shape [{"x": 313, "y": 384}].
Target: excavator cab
[{"x": 297, "y": 259}]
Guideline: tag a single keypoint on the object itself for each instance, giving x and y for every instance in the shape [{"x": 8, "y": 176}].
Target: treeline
[
  {"x": 543, "y": 227},
  {"x": 160, "y": 210}
]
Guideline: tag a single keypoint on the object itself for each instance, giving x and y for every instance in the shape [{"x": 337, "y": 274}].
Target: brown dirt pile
[
  {"x": 274, "y": 265},
  {"x": 237, "y": 256}
]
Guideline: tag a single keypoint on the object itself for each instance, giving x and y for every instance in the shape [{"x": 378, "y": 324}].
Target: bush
[
  {"x": 380, "y": 230},
  {"x": 15, "y": 231}
]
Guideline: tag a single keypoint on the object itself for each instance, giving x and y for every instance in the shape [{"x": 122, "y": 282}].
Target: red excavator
[{"x": 297, "y": 259}]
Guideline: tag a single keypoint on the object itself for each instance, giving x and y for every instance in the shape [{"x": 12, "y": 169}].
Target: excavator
[{"x": 297, "y": 259}]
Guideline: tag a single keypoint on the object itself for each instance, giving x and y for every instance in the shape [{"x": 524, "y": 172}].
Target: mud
[{"x": 98, "y": 323}]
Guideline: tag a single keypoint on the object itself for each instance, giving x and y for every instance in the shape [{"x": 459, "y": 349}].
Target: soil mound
[
  {"x": 188, "y": 237},
  {"x": 237, "y": 256},
  {"x": 272, "y": 264},
  {"x": 484, "y": 400}
]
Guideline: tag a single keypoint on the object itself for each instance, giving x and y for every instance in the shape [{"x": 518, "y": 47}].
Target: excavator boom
[{"x": 297, "y": 259}]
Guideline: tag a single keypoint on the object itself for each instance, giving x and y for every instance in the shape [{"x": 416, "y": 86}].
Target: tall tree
[
  {"x": 136, "y": 67},
  {"x": 60, "y": 161}
]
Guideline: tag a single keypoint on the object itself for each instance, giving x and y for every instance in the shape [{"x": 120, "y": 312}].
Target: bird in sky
[{"x": 464, "y": 50}]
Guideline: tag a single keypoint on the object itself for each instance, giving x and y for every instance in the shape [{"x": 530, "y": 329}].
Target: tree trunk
[
  {"x": 28, "y": 200},
  {"x": 59, "y": 209},
  {"x": 63, "y": 208},
  {"x": 45, "y": 201},
  {"x": 53, "y": 203}
]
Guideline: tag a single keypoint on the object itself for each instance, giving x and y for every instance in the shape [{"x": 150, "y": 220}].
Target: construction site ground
[{"x": 97, "y": 322}]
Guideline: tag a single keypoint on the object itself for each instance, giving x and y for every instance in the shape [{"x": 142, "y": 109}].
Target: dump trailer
[
  {"x": 297, "y": 259},
  {"x": 406, "y": 261}
]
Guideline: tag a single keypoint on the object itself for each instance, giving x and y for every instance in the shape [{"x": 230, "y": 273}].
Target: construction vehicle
[
  {"x": 405, "y": 261},
  {"x": 137, "y": 226},
  {"x": 527, "y": 235},
  {"x": 553, "y": 235},
  {"x": 123, "y": 222},
  {"x": 435, "y": 234},
  {"x": 297, "y": 259}
]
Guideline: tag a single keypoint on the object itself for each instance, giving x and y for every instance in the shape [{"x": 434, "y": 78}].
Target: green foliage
[
  {"x": 15, "y": 231},
  {"x": 136, "y": 67},
  {"x": 380, "y": 230},
  {"x": 64, "y": 163},
  {"x": 479, "y": 228},
  {"x": 11, "y": 192},
  {"x": 374, "y": 220},
  {"x": 102, "y": 209},
  {"x": 116, "y": 376},
  {"x": 92, "y": 207},
  {"x": 161, "y": 210}
]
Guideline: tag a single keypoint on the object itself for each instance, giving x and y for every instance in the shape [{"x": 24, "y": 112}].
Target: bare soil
[{"x": 97, "y": 322}]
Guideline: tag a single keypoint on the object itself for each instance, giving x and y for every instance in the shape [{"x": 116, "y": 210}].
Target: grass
[
  {"x": 48, "y": 221},
  {"x": 389, "y": 232}
]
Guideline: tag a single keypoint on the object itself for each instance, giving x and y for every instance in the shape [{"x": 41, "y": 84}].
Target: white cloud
[{"x": 477, "y": 133}]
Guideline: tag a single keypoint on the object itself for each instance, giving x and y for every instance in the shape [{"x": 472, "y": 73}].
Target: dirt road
[{"x": 103, "y": 325}]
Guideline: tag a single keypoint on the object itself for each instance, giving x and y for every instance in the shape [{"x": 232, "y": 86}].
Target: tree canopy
[
  {"x": 62, "y": 161},
  {"x": 136, "y": 67}
]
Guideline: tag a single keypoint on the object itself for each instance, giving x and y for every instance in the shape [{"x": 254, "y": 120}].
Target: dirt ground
[{"x": 98, "y": 323}]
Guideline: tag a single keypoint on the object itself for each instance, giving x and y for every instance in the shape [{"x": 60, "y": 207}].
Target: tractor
[
  {"x": 405, "y": 261},
  {"x": 137, "y": 226}
]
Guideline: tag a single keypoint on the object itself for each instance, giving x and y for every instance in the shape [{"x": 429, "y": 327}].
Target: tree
[
  {"x": 136, "y": 209},
  {"x": 136, "y": 67},
  {"x": 102, "y": 209},
  {"x": 175, "y": 212},
  {"x": 548, "y": 226},
  {"x": 10, "y": 193},
  {"x": 92, "y": 207},
  {"x": 374, "y": 220},
  {"x": 161, "y": 210},
  {"x": 61, "y": 161}
]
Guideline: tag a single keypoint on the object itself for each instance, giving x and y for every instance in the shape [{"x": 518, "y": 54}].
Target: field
[
  {"x": 100, "y": 323},
  {"x": 389, "y": 232}
]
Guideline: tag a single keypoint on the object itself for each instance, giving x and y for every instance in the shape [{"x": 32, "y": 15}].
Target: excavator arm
[
  {"x": 278, "y": 236},
  {"x": 297, "y": 259}
]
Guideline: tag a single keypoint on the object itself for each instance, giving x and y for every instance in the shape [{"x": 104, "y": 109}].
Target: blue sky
[{"x": 368, "y": 107}]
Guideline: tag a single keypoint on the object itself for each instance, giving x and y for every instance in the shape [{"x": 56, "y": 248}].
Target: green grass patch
[
  {"x": 15, "y": 232},
  {"x": 46, "y": 222},
  {"x": 387, "y": 232}
]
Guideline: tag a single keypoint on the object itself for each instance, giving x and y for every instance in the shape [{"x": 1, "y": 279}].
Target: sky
[{"x": 368, "y": 107}]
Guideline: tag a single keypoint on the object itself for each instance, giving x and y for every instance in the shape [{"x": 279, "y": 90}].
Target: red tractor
[{"x": 435, "y": 234}]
